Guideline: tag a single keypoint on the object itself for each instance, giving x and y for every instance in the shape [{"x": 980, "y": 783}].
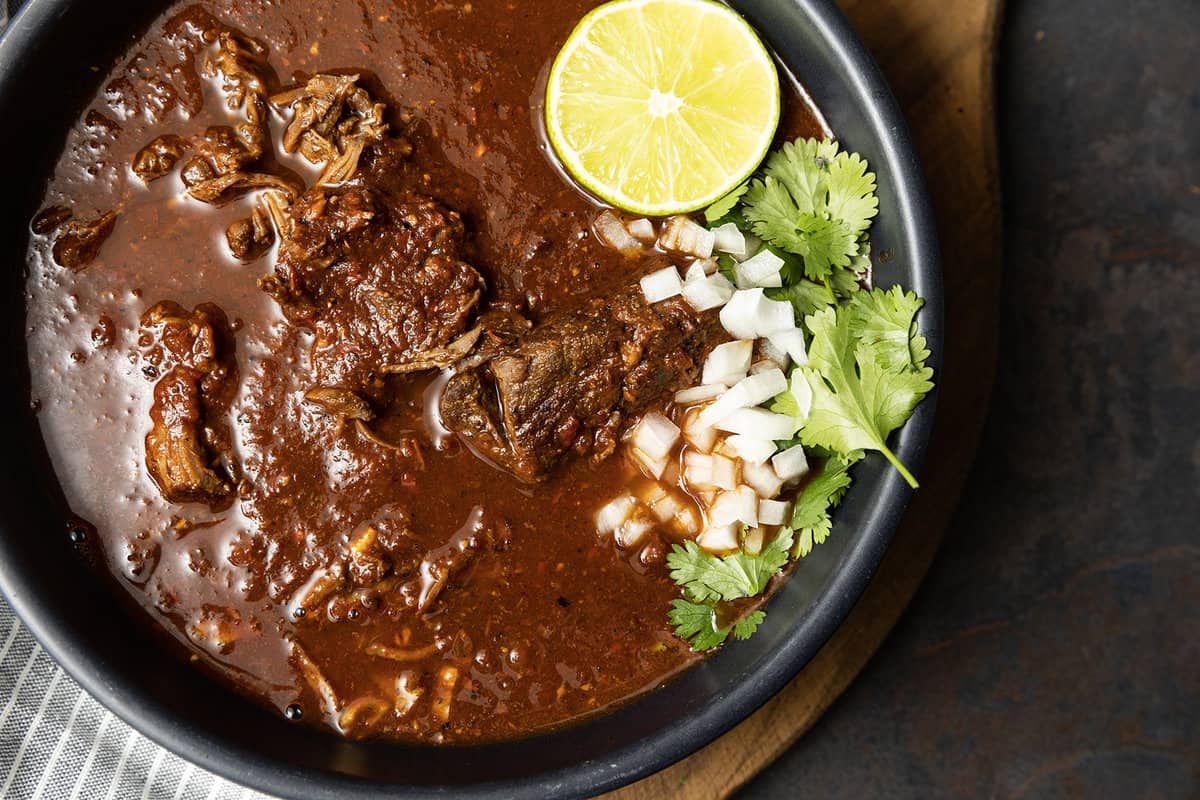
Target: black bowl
[{"x": 47, "y": 61}]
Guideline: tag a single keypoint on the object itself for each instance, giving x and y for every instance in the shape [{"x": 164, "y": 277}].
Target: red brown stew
[{"x": 295, "y": 258}]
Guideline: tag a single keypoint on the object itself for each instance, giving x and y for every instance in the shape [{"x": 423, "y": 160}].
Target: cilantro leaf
[
  {"x": 852, "y": 192},
  {"x": 706, "y": 577},
  {"x": 696, "y": 623},
  {"x": 860, "y": 394},
  {"x": 815, "y": 202},
  {"x": 724, "y": 207},
  {"x": 823, "y": 492},
  {"x": 886, "y": 320},
  {"x": 747, "y": 625}
]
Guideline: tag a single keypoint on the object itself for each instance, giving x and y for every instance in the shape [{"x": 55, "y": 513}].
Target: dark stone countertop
[{"x": 1054, "y": 650}]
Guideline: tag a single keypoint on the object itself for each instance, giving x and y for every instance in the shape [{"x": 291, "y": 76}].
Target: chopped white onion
[
  {"x": 728, "y": 362},
  {"x": 753, "y": 245},
  {"x": 791, "y": 342},
  {"x": 653, "y": 467},
  {"x": 735, "y": 398},
  {"x": 802, "y": 393},
  {"x": 741, "y": 314},
  {"x": 695, "y": 272},
  {"x": 642, "y": 230},
  {"x": 688, "y": 520},
  {"x": 791, "y": 463},
  {"x": 763, "y": 478},
  {"x": 632, "y": 531},
  {"x": 681, "y": 235},
  {"x": 660, "y": 285},
  {"x": 753, "y": 543},
  {"x": 698, "y": 435},
  {"x": 666, "y": 507},
  {"x": 698, "y": 471},
  {"x": 775, "y": 316},
  {"x": 762, "y": 386},
  {"x": 724, "y": 472},
  {"x": 655, "y": 435},
  {"x": 750, "y": 449},
  {"x": 761, "y": 270},
  {"x": 719, "y": 539},
  {"x": 773, "y": 512},
  {"x": 612, "y": 232},
  {"x": 714, "y": 290},
  {"x": 757, "y": 422},
  {"x": 609, "y": 518},
  {"x": 728, "y": 239},
  {"x": 739, "y": 505},
  {"x": 709, "y": 265},
  {"x": 699, "y": 394},
  {"x": 774, "y": 355}
]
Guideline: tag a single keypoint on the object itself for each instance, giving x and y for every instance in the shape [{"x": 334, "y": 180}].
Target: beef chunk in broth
[
  {"x": 571, "y": 383},
  {"x": 378, "y": 277},
  {"x": 191, "y": 355}
]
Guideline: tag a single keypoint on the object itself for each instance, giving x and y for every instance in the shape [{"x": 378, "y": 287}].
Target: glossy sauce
[{"x": 507, "y": 614}]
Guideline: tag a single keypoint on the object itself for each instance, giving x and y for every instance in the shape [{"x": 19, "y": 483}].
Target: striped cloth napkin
[{"x": 57, "y": 743}]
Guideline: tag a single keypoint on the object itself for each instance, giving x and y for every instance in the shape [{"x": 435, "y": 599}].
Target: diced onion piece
[
  {"x": 698, "y": 471},
  {"x": 632, "y": 531},
  {"x": 655, "y": 435},
  {"x": 688, "y": 520},
  {"x": 774, "y": 355},
  {"x": 791, "y": 342},
  {"x": 757, "y": 422},
  {"x": 719, "y": 538},
  {"x": 612, "y": 232},
  {"x": 614, "y": 514},
  {"x": 700, "y": 394},
  {"x": 735, "y": 398},
  {"x": 642, "y": 230},
  {"x": 775, "y": 316},
  {"x": 761, "y": 270},
  {"x": 753, "y": 245},
  {"x": 750, "y": 449},
  {"x": 753, "y": 543},
  {"x": 739, "y": 505},
  {"x": 728, "y": 362},
  {"x": 728, "y": 239},
  {"x": 763, "y": 479},
  {"x": 803, "y": 395},
  {"x": 708, "y": 265},
  {"x": 762, "y": 386},
  {"x": 681, "y": 235},
  {"x": 661, "y": 285},
  {"x": 698, "y": 435},
  {"x": 740, "y": 316},
  {"x": 714, "y": 290},
  {"x": 791, "y": 463},
  {"x": 695, "y": 272},
  {"x": 666, "y": 507},
  {"x": 724, "y": 472},
  {"x": 773, "y": 512},
  {"x": 652, "y": 467}
]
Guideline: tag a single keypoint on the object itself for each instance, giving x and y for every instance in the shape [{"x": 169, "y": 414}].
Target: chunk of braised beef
[
  {"x": 78, "y": 242},
  {"x": 570, "y": 384},
  {"x": 378, "y": 278},
  {"x": 190, "y": 354},
  {"x": 340, "y": 403},
  {"x": 158, "y": 157},
  {"x": 241, "y": 62},
  {"x": 333, "y": 121},
  {"x": 250, "y": 238},
  {"x": 224, "y": 188}
]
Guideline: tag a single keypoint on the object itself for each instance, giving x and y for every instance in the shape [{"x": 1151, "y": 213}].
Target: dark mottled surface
[{"x": 1054, "y": 650}]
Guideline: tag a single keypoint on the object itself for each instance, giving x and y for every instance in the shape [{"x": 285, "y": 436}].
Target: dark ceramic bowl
[{"x": 46, "y": 77}]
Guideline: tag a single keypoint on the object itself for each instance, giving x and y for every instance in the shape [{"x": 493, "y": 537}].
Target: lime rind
[{"x": 723, "y": 130}]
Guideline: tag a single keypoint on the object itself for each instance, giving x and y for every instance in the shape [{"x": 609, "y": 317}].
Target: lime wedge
[{"x": 662, "y": 106}]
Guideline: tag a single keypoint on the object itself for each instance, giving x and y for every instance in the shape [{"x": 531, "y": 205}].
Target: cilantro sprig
[{"x": 812, "y": 205}]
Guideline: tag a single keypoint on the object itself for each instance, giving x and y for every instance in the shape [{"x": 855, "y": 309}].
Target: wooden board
[{"x": 937, "y": 55}]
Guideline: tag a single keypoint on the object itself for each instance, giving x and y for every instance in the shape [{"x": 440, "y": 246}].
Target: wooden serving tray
[{"x": 937, "y": 55}]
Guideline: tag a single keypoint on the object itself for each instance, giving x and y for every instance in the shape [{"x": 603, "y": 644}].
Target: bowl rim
[{"x": 848, "y": 55}]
